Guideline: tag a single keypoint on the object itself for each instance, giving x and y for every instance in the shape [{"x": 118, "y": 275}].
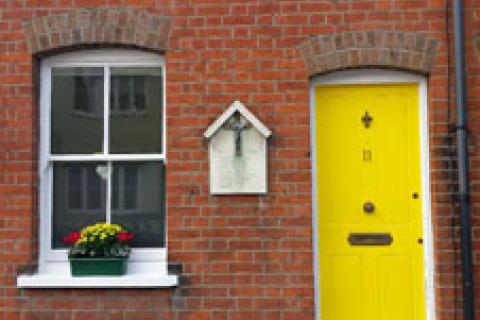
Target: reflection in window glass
[
  {"x": 130, "y": 192},
  {"x": 125, "y": 187},
  {"x": 127, "y": 94},
  {"x": 79, "y": 194},
  {"x": 94, "y": 189},
  {"x": 141, "y": 207},
  {"x": 77, "y": 110},
  {"x": 74, "y": 187},
  {"x": 136, "y": 110}
]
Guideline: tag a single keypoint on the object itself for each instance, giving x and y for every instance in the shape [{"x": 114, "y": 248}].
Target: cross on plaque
[{"x": 237, "y": 126}]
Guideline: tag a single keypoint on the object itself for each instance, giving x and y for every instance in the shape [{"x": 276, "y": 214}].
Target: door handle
[{"x": 368, "y": 207}]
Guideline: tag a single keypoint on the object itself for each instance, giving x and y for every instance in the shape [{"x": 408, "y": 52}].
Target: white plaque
[{"x": 238, "y": 153}]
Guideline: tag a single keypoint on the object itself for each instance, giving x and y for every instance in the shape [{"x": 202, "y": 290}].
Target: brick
[{"x": 241, "y": 315}]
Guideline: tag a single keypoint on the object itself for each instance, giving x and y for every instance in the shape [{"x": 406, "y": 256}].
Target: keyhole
[{"x": 367, "y": 155}]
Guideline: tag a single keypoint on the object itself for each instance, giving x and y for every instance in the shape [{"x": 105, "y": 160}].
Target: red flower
[
  {"x": 72, "y": 238},
  {"x": 125, "y": 236}
]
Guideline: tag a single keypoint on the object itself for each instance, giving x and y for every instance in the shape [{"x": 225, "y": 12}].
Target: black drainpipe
[{"x": 463, "y": 166}]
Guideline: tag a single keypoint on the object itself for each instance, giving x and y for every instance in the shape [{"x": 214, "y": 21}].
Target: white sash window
[{"x": 102, "y": 157}]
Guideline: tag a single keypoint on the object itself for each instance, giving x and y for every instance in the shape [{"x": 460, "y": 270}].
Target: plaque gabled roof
[{"x": 237, "y": 106}]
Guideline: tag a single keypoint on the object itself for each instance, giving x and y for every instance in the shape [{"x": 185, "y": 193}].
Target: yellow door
[{"x": 369, "y": 202}]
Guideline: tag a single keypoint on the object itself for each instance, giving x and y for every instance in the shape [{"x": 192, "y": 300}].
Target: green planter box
[{"x": 83, "y": 267}]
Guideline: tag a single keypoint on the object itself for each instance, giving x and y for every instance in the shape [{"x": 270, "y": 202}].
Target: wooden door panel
[
  {"x": 379, "y": 163},
  {"x": 341, "y": 288}
]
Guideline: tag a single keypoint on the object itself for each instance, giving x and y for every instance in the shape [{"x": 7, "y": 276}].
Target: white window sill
[
  {"x": 67, "y": 281},
  {"x": 139, "y": 275}
]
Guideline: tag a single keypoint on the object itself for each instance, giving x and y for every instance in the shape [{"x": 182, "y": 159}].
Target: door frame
[{"x": 380, "y": 76}]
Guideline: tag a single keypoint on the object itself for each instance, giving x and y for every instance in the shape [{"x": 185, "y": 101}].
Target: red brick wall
[{"x": 243, "y": 257}]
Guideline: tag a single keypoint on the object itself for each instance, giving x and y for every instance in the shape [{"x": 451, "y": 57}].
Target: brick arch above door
[
  {"x": 410, "y": 51},
  {"x": 90, "y": 27}
]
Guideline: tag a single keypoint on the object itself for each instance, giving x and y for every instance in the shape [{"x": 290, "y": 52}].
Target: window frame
[{"x": 55, "y": 260}]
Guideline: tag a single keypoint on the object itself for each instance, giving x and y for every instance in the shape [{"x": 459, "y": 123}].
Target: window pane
[
  {"x": 136, "y": 110},
  {"x": 79, "y": 194},
  {"x": 77, "y": 110},
  {"x": 140, "y": 203}
]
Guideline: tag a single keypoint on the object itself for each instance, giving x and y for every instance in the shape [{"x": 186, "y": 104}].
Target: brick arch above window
[
  {"x": 86, "y": 27},
  {"x": 410, "y": 51}
]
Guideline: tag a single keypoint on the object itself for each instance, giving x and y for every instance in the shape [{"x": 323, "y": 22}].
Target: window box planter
[{"x": 86, "y": 267}]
